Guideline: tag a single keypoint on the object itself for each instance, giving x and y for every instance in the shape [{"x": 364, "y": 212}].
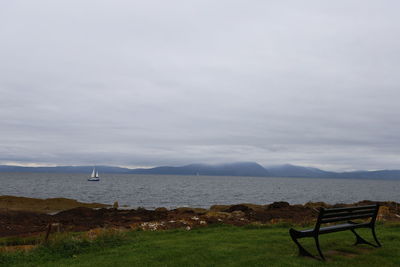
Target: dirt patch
[
  {"x": 360, "y": 250},
  {"x": 17, "y": 248},
  {"x": 43, "y": 205},
  {"x": 345, "y": 254}
]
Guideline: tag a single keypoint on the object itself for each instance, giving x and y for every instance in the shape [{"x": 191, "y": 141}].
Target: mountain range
[{"x": 228, "y": 169}]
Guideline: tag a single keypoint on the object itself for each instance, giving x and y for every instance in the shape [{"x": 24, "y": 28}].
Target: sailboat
[{"x": 95, "y": 176}]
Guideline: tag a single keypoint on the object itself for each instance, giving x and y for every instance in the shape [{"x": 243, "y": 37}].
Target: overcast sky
[{"x": 146, "y": 83}]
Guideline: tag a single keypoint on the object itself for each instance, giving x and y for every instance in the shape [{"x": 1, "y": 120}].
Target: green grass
[{"x": 210, "y": 246}]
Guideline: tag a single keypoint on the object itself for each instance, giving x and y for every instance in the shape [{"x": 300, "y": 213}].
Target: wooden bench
[{"x": 346, "y": 215}]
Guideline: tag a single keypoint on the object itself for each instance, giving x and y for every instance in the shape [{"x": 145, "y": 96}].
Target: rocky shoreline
[{"x": 27, "y": 219}]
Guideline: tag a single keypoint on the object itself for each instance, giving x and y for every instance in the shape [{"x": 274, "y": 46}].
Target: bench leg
[
  {"x": 376, "y": 239},
  {"x": 360, "y": 240},
  {"x": 302, "y": 251},
  {"x": 318, "y": 247}
]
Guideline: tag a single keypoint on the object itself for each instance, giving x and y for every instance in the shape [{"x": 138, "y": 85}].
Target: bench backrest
[{"x": 347, "y": 214}]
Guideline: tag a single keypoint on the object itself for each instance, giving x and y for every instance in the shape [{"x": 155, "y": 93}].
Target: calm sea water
[{"x": 151, "y": 191}]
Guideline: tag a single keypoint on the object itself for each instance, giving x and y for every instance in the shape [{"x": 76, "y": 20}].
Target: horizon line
[{"x": 35, "y": 165}]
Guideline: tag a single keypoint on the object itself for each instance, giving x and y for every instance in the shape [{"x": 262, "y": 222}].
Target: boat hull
[{"x": 93, "y": 179}]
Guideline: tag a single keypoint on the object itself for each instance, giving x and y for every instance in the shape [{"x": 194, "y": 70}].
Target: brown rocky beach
[{"x": 21, "y": 216}]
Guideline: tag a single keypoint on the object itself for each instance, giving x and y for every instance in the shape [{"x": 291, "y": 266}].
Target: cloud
[{"x": 138, "y": 83}]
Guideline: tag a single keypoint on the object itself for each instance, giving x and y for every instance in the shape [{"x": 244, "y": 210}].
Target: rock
[
  {"x": 255, "y": 207},
  {"x": 152, "y": 226},
  {"x": 200, "y": 211},
  {"x": 141, "y": 209},
  {"x": 217, "y": 215},
  {"x": 279, "y": 205},
  {"x": 80, "y": 212},
  {"x": 238, "y": 214},
  {"x": 197, "y": 211},
  {"x": 219, "y": 207},
  {"x": 237, "y": 208},
  {"x": 316, "y": 205},
  {"x": 162, "y": 209}
]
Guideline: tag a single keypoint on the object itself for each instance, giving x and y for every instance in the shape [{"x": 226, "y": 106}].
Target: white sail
[{"x": 94, "y": 176}]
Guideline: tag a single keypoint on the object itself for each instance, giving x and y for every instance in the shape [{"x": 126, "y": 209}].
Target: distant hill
[
  {"x": 229, "y": 169},
  {"x": 382, "y": 174},
  {"x": 288, "y": 170}
]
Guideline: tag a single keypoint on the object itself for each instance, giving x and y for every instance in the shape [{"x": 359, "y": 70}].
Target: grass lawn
[{"x": 212, "y": 246}]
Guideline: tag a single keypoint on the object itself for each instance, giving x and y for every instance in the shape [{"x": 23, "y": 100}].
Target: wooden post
[{"x": 48, "y": 233}]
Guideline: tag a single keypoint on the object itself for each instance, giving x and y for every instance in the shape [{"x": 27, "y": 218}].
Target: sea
[{"x": 171, "y": 191}]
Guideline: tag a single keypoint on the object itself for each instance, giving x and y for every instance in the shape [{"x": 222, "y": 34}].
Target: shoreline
[
  {"x": 54, "y": 205},
  {"x": 23, "y": 218}
]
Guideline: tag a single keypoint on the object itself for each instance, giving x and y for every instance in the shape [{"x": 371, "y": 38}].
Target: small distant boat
[{"x": 95, "y": 176}]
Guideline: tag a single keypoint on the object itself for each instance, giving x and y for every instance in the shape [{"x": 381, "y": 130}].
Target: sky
[{"x": 149, "y": 83}]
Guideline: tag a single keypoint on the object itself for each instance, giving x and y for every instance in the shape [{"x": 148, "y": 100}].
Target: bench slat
[
  {"x": 342, "y": 227},
  {"x": 350, "y": 209},
  {"x": 334, "y": 228},
  {"x": 348, "y": 218},
  {"x": 347, "y": 213}
]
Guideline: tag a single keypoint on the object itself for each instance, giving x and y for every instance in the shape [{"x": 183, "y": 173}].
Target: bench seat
[{"x": 333, "y": 228}]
